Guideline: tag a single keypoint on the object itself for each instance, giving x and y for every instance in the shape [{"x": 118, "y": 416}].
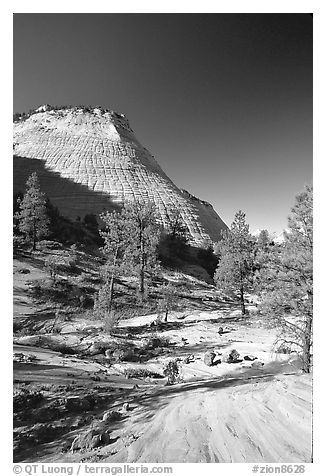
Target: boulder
[
  {"x": 98, "y": 348},
  {"x": 111, "y": 415},
  {"x": 130, "y": 355},
  {"x": 249, "y": 357},
  {"x": 156, "y": 352},
  {"x": 117, "y": 354},
  {"x": 189, "y": 359},
  {"x": 231, "y": 357},
  {"x": 125, "y": 407},
  {"x": 257, "y": 365},
  {"x": 126, "y": 355},
  {"x": 24, "y": 271},
  {"x": 108, "y": 353},
  {"x": 92, "y": 438},
  {"x": 209, "y": 358}
]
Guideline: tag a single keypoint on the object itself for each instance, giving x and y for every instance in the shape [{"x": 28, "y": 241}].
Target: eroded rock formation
[{"x": 89, "y": 160}]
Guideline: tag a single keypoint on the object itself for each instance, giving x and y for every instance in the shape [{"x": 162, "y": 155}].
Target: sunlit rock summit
[{"x": 89, "y": 160}]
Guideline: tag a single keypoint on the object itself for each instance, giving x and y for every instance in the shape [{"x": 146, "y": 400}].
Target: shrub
[
  {"x": 69, "y": 259},
  {"x": 24, "y": 358},
  {"x": 155, "y": 341},
  {"x": 18, "y": 242},
  {"x": 24, "y": 398},
  {"x": 17, "y": 327},
  {"x": 126, "y": 355},
  {"x": 170, "y": 300},
  {"x": 141, "y": 373},
  {"x": 50, "y": 245},
  {"x": 172, "y": 371},
  {"x": 111, "y": 322},
  {"x": 283, "y": 348},
  {"x": 51, "y": 266},
  {"x": 73, "y": 253}
]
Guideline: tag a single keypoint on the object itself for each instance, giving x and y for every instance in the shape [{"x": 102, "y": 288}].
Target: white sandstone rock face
[{"x": 89, "y": 160}]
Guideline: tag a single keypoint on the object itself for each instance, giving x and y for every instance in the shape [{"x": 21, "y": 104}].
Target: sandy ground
[
  {"x": 224, "y": 413},
  {"x": 232, "y": 420},
  {"x": 239, "y": 412}
]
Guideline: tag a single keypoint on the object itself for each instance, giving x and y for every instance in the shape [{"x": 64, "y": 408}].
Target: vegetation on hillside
[
  {"x": 22, "y": 116},
  {"x": 281, "y": 274},
  {"x": 135, "y": 249}
]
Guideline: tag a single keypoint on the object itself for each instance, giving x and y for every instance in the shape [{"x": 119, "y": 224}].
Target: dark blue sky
[{"x": 223, "y": 101}]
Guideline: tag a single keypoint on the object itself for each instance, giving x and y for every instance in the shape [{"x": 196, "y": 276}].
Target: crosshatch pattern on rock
[{"x": 98, "y": 150}]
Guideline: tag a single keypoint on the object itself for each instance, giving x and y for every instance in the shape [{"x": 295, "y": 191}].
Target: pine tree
[
  {"x": 287, "y": 281},
  {"x": 143, "y": 233},
  {"x": 263, "y": 240},
  {"x": 236, "y": 250},
  {"x": 115, "y": 243},
  {"x": 131, "y": 237},
  {"x": 16, "y": 207},
  {"x": 169, "y": 301},
  {"x": 262, "y": 249},
  {"x": 33, "y": 220}
]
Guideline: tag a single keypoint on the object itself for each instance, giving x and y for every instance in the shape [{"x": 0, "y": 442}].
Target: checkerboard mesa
[{"x": 88, "y": 159}]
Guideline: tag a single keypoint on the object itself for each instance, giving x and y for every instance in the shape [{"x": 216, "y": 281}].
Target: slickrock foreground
[
  {"x": 79, "y": 384},
  {"x": 89, "y": 160}
]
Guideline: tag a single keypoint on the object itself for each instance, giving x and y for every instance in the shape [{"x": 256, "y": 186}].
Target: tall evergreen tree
[
  {"x": 263, "y": 245},
  {"x": 234, "y": 273},
  {"x": 287, "y": 280},
  {"x": 16, "y": 207},
  {"x": 143, "y": 233},
  {"x": 131, "y": 237},
  {"x": 33, "y": 220},
  {"x": 263, "y": 240},
  {"x": 115, "y": 244}
]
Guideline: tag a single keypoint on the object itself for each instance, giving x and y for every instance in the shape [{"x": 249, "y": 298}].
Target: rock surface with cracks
[{"x": 89, "y": 160}]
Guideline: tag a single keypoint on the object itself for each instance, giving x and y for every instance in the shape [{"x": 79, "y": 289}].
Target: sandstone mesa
[{"x": 89, "y": 160}]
